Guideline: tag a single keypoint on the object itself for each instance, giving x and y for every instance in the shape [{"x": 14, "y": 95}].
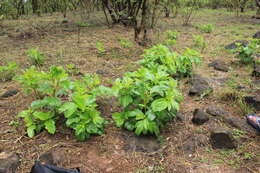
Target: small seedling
[
  {"x": 208, "y": 28},
  {"x": 100, "y": 48},
  {"x": 199, "y": 42},
  {"x": 125, "y": 43},
  {"x": 36, "y": 57},
  {"x": 8, "y": 72}
]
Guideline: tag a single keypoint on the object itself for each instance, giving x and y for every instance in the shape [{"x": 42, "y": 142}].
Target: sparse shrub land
[{"x": 120, "y": 86}]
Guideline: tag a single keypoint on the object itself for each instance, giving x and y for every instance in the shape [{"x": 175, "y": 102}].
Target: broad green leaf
[
  {"x": 50, "y": 126},
  {"x": 31, "y": 131},
  {"x": 43, "y": 115},
  {"x": 37, "y": 104},
  {"x": 71, "y": 121},
  {"x": 52, "y": 101},
  {"x": 119, "y": 119},
  {"x": 125, "y": 100},
  {"x": 159, "y": 105},
  {"x": 68, "y": 109},
  {"x": 141, "y": 127}
]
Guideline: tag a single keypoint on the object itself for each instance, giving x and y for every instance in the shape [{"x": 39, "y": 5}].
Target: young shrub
[
  {"x": 188, "y": 9},
  {"x": 171, "y": 37},
  {"x": 41, "y": 84},
  {"x": 208, "y": 28},
  {"x": 80, "y": 111},
  {"x": 246, "y": 54},
  {"x": 186, "y": 61},
  {"x": 8, "y": 72},
  {"x": 36, "y": 57},
  {"x": 57, "y": 96},
  {"x": 100, "y": 48},
  {"x": 124, "y": 43},
  {"x": 160, "y": 56},
  {"x": 199, "y": 42},
  {"x": 149, "y": 99},
  {"x": 171, "y": 34}
]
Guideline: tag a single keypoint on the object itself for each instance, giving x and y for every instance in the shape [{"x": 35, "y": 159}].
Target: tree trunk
[{"x": 35, "y": 6}]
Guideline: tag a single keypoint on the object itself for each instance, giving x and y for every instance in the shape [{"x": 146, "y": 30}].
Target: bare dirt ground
[{"x": 118, "y": 151}]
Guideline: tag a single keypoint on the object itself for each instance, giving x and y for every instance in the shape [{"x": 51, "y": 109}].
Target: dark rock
[
  {"x": 256, "y": 71},
  {"x": 64, "y": 21},
  {"x": 240, "y": 124},
  {"x": 9, "y": 93},
  {"x": 216, "y": 111},
  {"x": 190, "y": 144},
  {"x": 257, "y": 35},
  {"x": 219, "y": 65},
  {"x": 52, "y": 157},
  {"x": 199, "y": 85},
  {"x": 253, "y": 101},
  {"x": 222, "y": 139},
  {"x": 234, "y": 44},
  {"x": 180, "y": 117},
  {"x": 101, "y": 72},
  {"x": 9, "y": 162},
  {"x": 199, "y": 117},
  {"x": 148, "y": 144}
]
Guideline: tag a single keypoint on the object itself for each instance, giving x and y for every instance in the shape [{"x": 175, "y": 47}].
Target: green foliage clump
[
  {"x": 171, "y": 34},
  {"x": 124, "y": 43},
  {"x": 36, "y": 57},
  {"x": 159, "y": 56},
  {"x": 207, "y": 28},
  {"x": 246, "y": 54},
  {"x": 8, "y": 72},
  {"x": 100, "y": 48},
  {"x": 149, "y": 99},
  {"x": 171, "y": 37},
  {"x": 199, "y": 42},
  {"x": 60, "y": 97}
]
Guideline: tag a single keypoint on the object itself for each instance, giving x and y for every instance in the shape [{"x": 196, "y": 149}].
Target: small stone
[
  {"x": 9, "y": 93},
  {"x": 146, "y": 144},
  {"x": 180, "y": 117},
  {"x": 219, "y": 65},
  {"x": 101, "y": 72},
  {"x": 240, "y": 124},
  {"x": 257, "y": 35},
  {"x": 253, "y": 101},
  {"x": 52, "y": 157},
  {"x": 9, "y": 162},
  {"x": 190, "y": 144},
  {"x": 222, "y": 139},
  {"x": 216, "y": 111},
  {"x": 234, "y": 44},
  {"x": 199, "y": 117},
  {"x": 256, "y": 71},
  {"x": 199, "y": 85}
]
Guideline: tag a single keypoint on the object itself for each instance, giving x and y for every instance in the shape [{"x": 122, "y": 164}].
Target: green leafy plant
[
  {"x": 199, "y": 42},
  {"x": 207, "y": 28},
  {"x": 171, "y": 34},
  {"x": 100, "y": 48},
  {"x": 41, "y": 84},
  {"x": 80, "y": 111},
  {"x": 149, "y": 99},
  {"x": 125, "y": 43},
  {"x": 73, "y": 69},
  {"x": 57, "y": 95},
  {"x": 246, "y": 54},
  {"x": 171, "y": 37},
  {"x": 8, "y": 72},
  {"x": 36, "y": 57},
  {"x": 159, "y": 56}
]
